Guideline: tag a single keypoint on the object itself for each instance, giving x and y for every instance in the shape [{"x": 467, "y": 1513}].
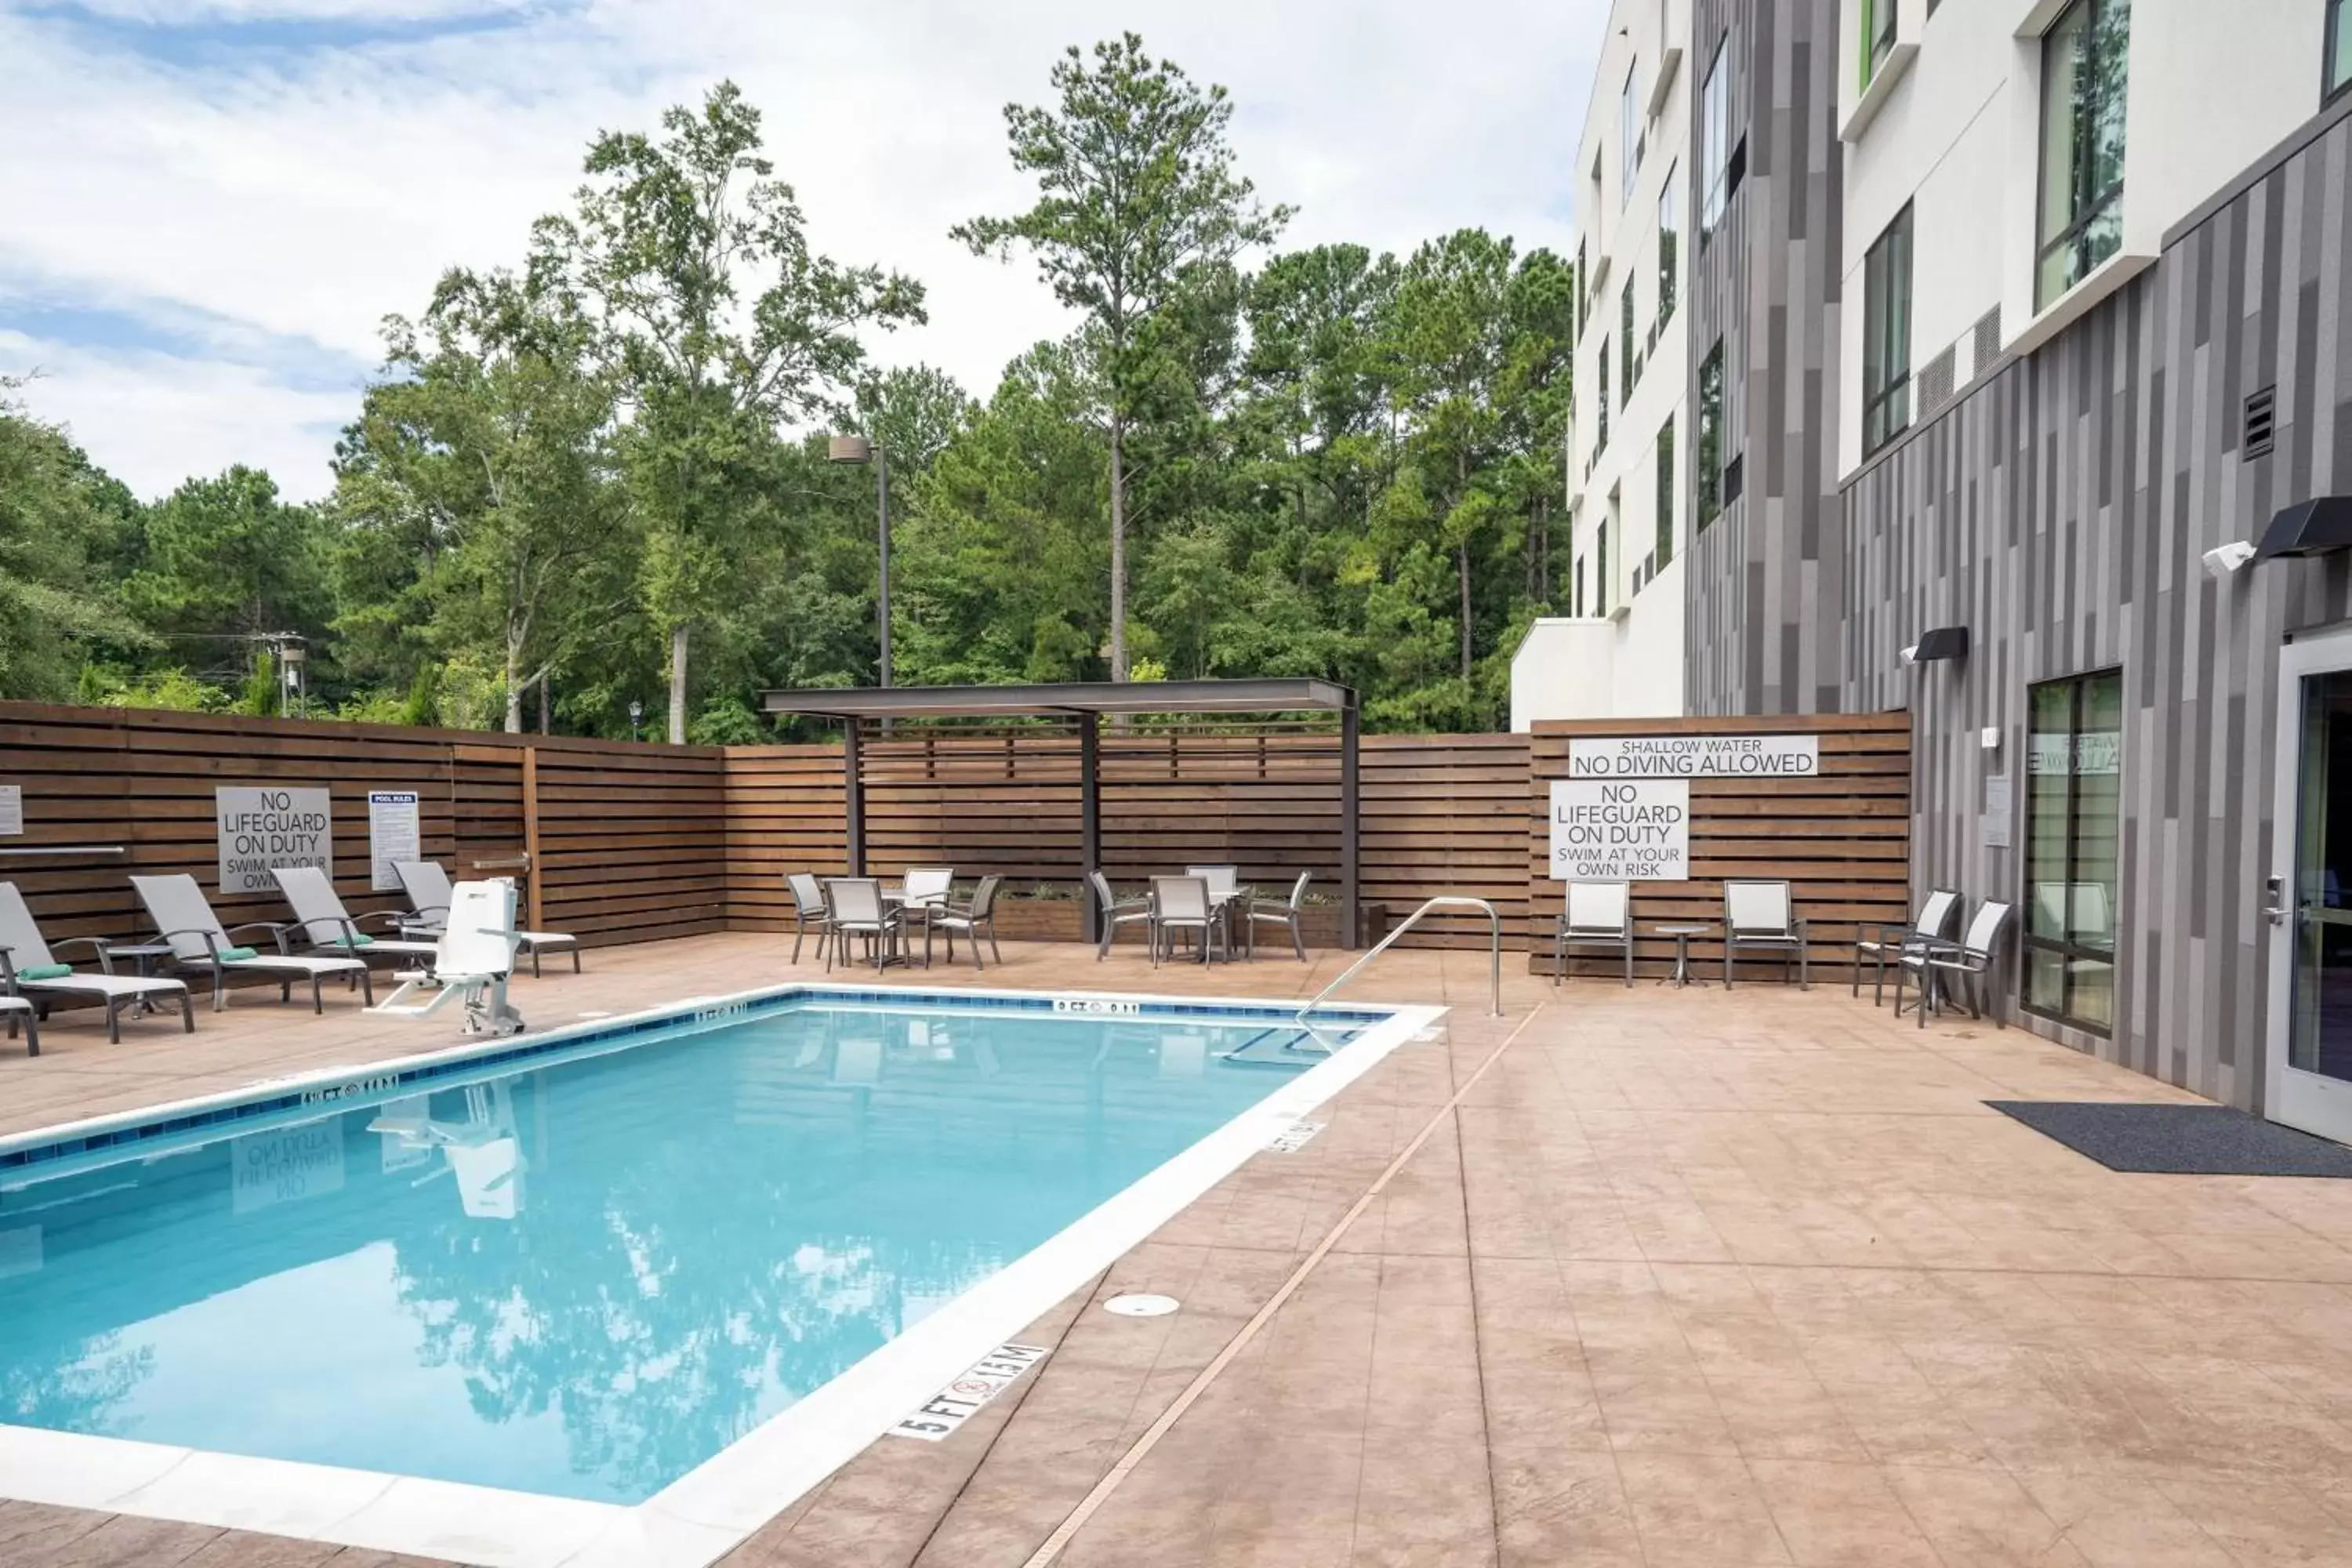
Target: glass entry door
[{"x": 2310, "y": 905}]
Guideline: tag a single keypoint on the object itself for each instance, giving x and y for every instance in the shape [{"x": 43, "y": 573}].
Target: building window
[
  {"x": 1629, "y": 135},
  {"x": 1670, "y": 224},
  {"x": 1706, "y": 477},
  {"x": 2337, "y": 60},
  {"x": 1715, "y": 141},
  {"x": 1576, "y": 312},
  {"x": 1629, "y": 361},
  {"x": 1665, "y": 545},
  {"x": 1877, "y": 34},
  {"x": 1600, "y": 568},
  {"x": 1579, "y": 610},
  {"x": 1601, "y": 405},
  {"x": 1886, "y": 335},
  {"x": 2083, "y": 65},
  {"x": 2073, "y": 829}
]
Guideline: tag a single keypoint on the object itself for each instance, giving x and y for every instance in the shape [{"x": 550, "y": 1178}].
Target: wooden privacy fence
[
  {"x": 630, "y": 843},
  {"x": 1841, "y": 839},
  {"x": 625, "y": 843}
]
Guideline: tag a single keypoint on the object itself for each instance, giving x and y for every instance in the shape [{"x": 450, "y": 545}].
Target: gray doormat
[{"x": 2181, "y": 1140}]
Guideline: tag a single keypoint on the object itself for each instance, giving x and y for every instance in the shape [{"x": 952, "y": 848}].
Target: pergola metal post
[
  {"x": 853, "y": 785},
  {"x": 1351, "y": 837},
  {"x": 1090, "y": 818}
]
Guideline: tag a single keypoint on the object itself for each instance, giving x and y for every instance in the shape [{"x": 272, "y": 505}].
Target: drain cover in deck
[{"x": 1141, "y": 1306}]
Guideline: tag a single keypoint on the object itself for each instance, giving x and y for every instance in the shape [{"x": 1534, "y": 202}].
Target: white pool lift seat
[
  {"x": 429, "y": 890},
  {"x": 472, "y": 960}
]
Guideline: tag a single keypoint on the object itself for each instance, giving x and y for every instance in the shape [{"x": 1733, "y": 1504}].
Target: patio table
[{"x": 1681, "y": 935}]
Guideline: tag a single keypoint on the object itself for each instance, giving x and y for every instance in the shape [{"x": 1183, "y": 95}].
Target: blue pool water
[{"x": 587, "y": 1275}]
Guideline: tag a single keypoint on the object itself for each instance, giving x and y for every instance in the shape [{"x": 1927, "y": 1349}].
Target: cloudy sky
[{"x": 209, "y": 205}]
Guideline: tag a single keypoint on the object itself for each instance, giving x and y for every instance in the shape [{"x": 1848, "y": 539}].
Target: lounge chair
[
  {"x": 1182, "y": 903},
  {"x": 809, "y": 912},
  {"x": 1594, "y": 914},
  {"x": 428, "y": 886},
  {"x": 1971, "y": 960},
  {"x": 1285, "y": 915},
  {"x": 1114, "y": 914},
  {"x": 975, "y": 920},
  {"x": 13, "y": 1008},
  {"x": 472, "y": 960},
  {"x": 1758, "y": 917},
  {"x": 197, "y": 940},
  {"x": 1883, "y": 940},
  {"x": 320, "y": 916},
  {"x": 27, "y": 970}
]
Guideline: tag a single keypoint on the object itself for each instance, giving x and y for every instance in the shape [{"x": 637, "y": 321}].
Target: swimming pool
[{"x": 600, "y": 1267}]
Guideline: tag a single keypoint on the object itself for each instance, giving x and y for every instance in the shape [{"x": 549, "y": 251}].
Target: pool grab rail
[{"x": 1443, "y": 901}]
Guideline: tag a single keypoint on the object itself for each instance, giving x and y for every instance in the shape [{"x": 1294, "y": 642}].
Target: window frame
[
  {"x": 1885, "y": 341},
  {"x": 2067, "y": 950},
  {"x": 1600, "y": 404},
  {"x": 1715, "y": 141},
  {"x": 1629, "y": 133},
  {"x": 2335, "y": 41},
  {"x": 1670, "y": 230},
  {"x": 1665, "y": 505},
  {"x": 1707, "y": 443},
  {"x": 1877, "y": 35},
  {"x": 2084, "y": 209},
  {"x": 1600, "y": 569},
  {"x": 1629, "y": 359}
]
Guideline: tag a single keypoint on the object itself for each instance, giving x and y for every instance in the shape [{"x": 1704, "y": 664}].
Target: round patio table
[{"x": 1681, "y": 935}]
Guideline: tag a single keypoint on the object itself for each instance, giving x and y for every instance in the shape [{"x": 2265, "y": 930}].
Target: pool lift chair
[{"x": 472, "y": 959}]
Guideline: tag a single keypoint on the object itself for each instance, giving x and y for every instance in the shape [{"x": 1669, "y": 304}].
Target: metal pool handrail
[{"x": 1450, "y": 901}]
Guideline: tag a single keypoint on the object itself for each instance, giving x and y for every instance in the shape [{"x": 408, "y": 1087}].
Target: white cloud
[{"x": 296, "y": 195}]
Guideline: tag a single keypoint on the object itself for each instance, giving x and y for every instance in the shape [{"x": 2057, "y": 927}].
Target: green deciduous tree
[{"x": 63, "y": 532}]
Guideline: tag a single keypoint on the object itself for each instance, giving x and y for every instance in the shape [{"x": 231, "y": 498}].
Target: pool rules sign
[
  {"x": 261, "y": 829},
  {"x": 1621, "y": 830}
]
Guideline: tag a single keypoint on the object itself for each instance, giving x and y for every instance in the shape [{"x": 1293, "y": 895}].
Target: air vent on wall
[
  {"x": 1985, "y": 344},
  {"x": 1936, "y": 382},
  {"x": 2261, "y": 424}
]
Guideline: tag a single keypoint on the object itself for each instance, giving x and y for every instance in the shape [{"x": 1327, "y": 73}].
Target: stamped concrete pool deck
[{"x": 1625, "y": 1278}]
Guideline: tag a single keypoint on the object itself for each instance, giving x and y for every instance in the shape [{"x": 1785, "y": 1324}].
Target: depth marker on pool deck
[
  {"x": 1293, "y": 1138},
  {"x": 959, "y": 1401}
]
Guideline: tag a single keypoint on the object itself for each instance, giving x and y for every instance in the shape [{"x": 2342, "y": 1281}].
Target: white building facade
[{"x": 1618, "y": 651}]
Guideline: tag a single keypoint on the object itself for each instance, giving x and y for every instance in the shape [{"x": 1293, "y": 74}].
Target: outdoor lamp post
[
  {"x": 637, "y": 717},
  {"x": 859, "y": 450}
]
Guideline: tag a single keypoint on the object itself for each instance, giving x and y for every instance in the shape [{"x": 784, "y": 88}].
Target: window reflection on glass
[
  {"x": 2073, "y": 832},
  {"x": 2320, "y": 1038},
  {"x": 2084, "y": 72},
  {"x": 2337, "y": 53}
]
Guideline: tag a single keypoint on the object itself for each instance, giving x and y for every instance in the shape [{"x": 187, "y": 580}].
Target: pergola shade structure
[{"x": 1085, "y": 703}]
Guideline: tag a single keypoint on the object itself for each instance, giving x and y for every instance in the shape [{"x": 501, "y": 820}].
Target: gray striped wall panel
[
  {"x": 1765, "y": 583},
  {"x": 2059, "y": 509}
]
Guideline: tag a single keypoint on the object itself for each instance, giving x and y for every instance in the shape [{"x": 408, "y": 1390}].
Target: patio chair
[
  {"x": 858, "y": 911},
  {"x": 428, "y": 886},
  {"x": 1182, "y": 904},
  {"x": 1285, "y": 914},
  {"x": 1115, "y": 914},
  {"x": 1596, "y": 914},
  {"x": 1882, "y": 940},
  {"x": 320, "y": 916},
  {"x": 472, "y": 960},
  {"x": 197, "y": 940},
  {"x": 15, "y": 1008},
  {"x": 28, "y": 971},
  {"x": 809, "y": 911},
  {"x": 928, "y": 886},
  {"x": 1757, "y": 917},
  {"x": 975, "y": 920},
  {"x": 1970, "y": 960}
]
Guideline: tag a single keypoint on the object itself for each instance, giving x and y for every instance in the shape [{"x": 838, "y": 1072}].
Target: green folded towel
[
  {"x": 232, "y": 954},
  {"x": 45, "y": 972},
  {"x": 357, "y": 938}
]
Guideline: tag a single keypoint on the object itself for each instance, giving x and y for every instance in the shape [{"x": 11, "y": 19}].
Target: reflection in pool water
[{"x": 587, "y": 1277}]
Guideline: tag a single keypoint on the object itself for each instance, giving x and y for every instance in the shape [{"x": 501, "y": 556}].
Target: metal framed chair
[
  {"x": 1595, "y": 914},
  {"x": 1182, "y": 904},
  {"x": 1285, "y": 914},
  {"x": 975, "y": 920},
  {"x": 1936, "y": 961},
  {"x": 1760, "y": 917},
  {"x": 809, "y": 912},
  {"x": 858, "y": 911},
  {"x": 929, "y": 885},
  {"x": 1115, "y": 913},
  {"x": 1883, "y": 940}
]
